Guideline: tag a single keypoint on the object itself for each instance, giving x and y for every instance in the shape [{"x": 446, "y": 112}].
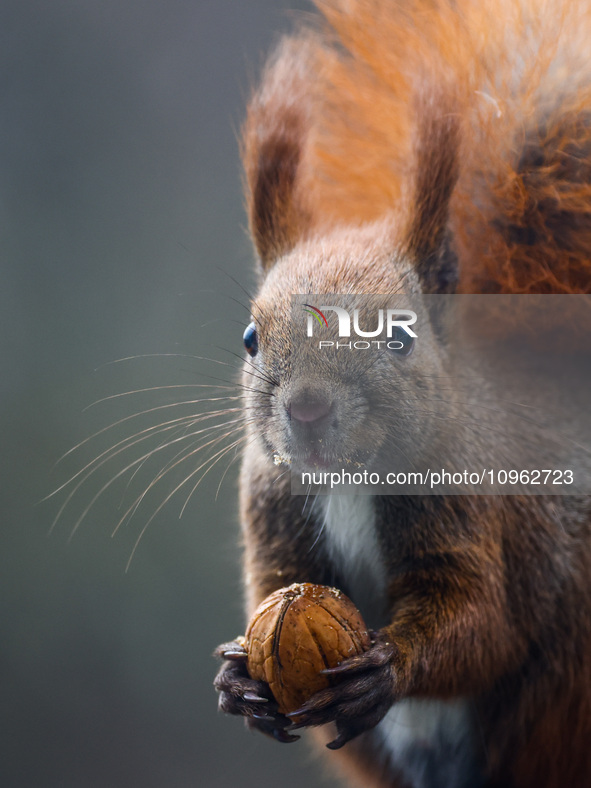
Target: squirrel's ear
[
  {"x": 273, "y": 149},
  {"x": 428, "y": 239}
]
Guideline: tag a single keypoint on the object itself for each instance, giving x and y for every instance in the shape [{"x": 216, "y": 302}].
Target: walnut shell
[{"x": 298, "y": 631}]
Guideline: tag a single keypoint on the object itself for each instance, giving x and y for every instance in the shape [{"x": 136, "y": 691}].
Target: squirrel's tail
[{"x": 465, "y": 117}]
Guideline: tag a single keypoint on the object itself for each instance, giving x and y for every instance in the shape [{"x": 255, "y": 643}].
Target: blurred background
[{"x": 122, "y": 237}]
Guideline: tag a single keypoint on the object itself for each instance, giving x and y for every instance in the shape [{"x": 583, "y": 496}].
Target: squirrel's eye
[
  {"x": 251, "y": 342},
  {"x": 401, "y": 343}
]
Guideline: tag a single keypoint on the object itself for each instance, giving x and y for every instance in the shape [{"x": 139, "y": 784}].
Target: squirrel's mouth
[
  {"x": 320, "y": 429},
  {"x": 319, "y": 460},
  {"x": 306, "y": 461},
  {"x": 309, "y": 459}
]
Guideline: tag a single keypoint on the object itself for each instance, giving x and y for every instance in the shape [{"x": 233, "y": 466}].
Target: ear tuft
[
  {"x": 429, "y": 241},
  {"x": 275, "y": 140}
]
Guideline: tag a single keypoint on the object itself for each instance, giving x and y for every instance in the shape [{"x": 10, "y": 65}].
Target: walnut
[{"x": 297, "y": 632}]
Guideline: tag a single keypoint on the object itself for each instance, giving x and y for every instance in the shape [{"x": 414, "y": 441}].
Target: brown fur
[
  {"x": 433, "y": 146},
  {"x": 276, "y": 135},
  {"x": 515, "y": 77}
]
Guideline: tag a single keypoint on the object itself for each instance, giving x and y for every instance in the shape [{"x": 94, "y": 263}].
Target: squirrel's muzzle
[{"x": 310, "y": 408}]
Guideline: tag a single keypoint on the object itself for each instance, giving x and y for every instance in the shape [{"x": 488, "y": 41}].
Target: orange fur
[
  {"x": 457, "y": 133},
  {"x": 515, "y": 76}
]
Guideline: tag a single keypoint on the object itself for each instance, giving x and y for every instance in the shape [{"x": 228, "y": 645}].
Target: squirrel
[{"x": 423, "y": 147}]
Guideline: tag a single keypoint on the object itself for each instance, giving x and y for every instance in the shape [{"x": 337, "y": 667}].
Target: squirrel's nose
[{"x": 309, "y": 408}]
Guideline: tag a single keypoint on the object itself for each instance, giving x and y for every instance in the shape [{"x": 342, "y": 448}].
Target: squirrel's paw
[
  {"x": 360, "y": 699},
  {"x": 241, "y": 695}
]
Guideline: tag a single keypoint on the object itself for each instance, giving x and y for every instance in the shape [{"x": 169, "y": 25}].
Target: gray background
[{"x": 121, "y": 221}]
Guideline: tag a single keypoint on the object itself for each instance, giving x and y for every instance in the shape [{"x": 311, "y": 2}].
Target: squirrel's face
[
  {"x": 314, "y": 409},
  {"x": 329, "y": 407}
]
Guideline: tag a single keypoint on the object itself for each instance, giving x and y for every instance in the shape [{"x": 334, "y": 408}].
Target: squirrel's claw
[
  {"x": 379, "y": 654},
  {"x": 241, "y": 695},
  {"x": 272, "y": 725},
  {"x": 234, "y": 650},
  {"x": 360, "y": 699}
]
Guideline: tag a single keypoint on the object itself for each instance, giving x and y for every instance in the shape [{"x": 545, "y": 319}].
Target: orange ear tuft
[{"x": 275, "y": 138}]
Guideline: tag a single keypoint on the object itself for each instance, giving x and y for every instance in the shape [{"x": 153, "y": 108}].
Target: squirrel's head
[
  {"x": 318, "y": 397},
  {"x": 317, "y": 408}
]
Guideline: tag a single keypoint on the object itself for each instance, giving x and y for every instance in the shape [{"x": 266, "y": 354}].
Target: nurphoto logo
[{"x": 394, "y": 321}]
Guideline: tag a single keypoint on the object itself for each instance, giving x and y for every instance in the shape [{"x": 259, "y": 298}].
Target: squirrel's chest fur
[{"x": 429, "y": 741}]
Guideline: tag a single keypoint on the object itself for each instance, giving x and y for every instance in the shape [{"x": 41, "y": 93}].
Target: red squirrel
[{"x": 423, "y": 147}]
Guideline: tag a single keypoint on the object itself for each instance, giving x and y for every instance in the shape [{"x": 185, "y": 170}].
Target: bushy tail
[{"x": 465, "y": 117}]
